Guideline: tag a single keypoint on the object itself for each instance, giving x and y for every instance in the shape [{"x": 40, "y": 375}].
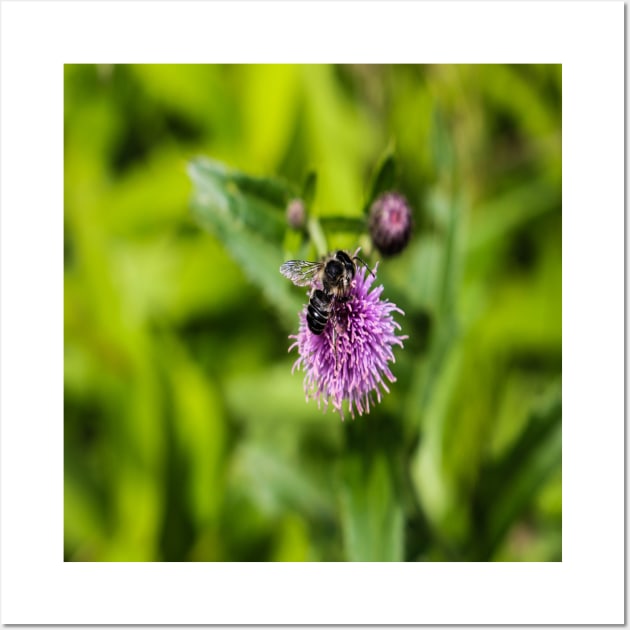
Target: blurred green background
[{"x": 186, "y": 435}]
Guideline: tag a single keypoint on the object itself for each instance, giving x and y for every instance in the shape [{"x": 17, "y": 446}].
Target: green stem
[{"x": 317, "y": 235}]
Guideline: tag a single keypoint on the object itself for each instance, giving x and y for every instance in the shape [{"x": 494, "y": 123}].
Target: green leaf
[
  {"x": 428, "y": 403},
  {"x": 213, "y": 206},
  {"x": 383, "y": 181},
  {"x": 259, "y": 203},
  {"x": 371, "y": 516},
  {"x": 273, "y": 191},
  {"x": 198, "y": 433},
  {"x": 508, "y": 486}
]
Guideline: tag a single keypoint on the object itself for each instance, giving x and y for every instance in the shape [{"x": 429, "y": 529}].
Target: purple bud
[
  {"x": 296, "y": 214},
  {"x": 390, "y": 223}
]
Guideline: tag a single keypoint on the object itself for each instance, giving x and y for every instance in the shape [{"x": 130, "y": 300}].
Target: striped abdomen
[{"x": 318, "y": 312}]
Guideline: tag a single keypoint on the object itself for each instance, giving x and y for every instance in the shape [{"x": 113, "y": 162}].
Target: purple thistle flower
[{"x": 349, "y": 360}]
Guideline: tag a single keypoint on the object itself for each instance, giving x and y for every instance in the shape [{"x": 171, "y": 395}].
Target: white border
[{"x": 37, "y": 38}]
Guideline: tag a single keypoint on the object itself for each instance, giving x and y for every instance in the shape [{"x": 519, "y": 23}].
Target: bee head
[
  {"x": 333, "y": 270},
  {"x": 347, "y": 263}
]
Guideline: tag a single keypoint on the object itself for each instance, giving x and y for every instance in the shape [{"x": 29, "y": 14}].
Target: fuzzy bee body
[{"x": 335, "y": 274}]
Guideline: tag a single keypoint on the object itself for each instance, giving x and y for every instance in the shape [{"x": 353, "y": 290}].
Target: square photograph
[{"x": 312, "y": 313}]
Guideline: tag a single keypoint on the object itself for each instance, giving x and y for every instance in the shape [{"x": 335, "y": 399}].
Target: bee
[{"x": 335, "y": 274}]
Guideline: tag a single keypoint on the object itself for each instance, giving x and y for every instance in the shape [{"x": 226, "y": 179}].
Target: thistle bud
[
  {"x": 390, "y": 223},
  {"x": 296, "y": 214}
]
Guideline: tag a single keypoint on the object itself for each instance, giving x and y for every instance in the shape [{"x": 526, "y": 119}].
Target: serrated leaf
[
  {"x": 258, "y": 202},
  {"x": 273, "y": 191},
  {"x": 212, "y": 205}
]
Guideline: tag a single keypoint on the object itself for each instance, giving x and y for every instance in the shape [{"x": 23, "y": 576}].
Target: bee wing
[{"x": 300, "y": 272}]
